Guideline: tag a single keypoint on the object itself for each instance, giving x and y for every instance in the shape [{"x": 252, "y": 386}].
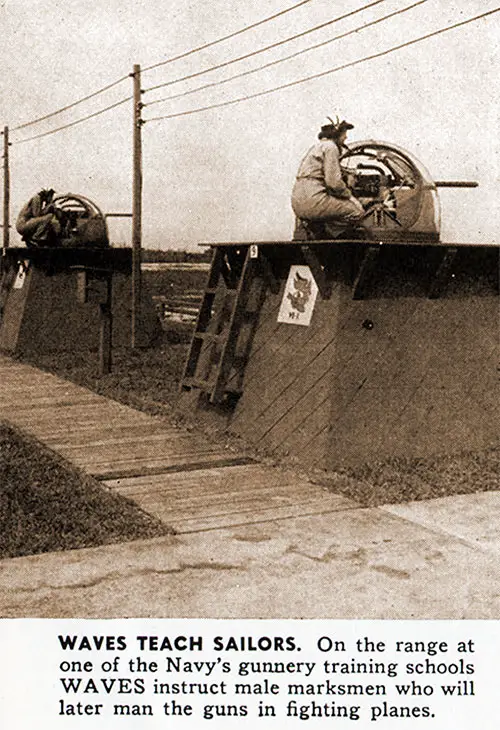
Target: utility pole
[
  {"x": 6, "y": 189},
  {"x": 136, "y": 207}
]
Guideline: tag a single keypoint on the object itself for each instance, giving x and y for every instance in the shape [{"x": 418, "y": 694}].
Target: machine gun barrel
[{"x": 455, "y": 184}]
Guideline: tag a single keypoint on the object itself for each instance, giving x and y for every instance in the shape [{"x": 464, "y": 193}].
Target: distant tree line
[{"x": 150, "y": 255}]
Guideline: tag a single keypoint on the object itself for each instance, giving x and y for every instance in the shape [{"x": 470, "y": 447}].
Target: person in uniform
[
  {"x": 321, "y": 200},
  {"x": 37, "y": 221}
]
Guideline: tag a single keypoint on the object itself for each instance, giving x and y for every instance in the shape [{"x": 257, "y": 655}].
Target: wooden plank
[
  {"x": 126, "y": 467},
  {"x": 119, "y": 461},
  {"x": 427, "y": 404},
  {"x": 212, "y": 492},
  {"x": 423, "y": 239},
  {"x": 321, "y": 276},
  {"x": 293, "y": 400},
  {"x": 179, "y": 466},
  {"x": 365, "y": 272},
  {"x": 443, "y": 273},
  {"x": 178, "y": 476},
  {"x": 303, "y": 434},
  {"x": 213, "y": 504},
  {"x": 287, "y": 434},
  {"x": 284, "y": 360},
  {"x": 233, "y": 330},
  {"x": 294, "y": 358},
  {"x": 232, "y": 510},
  {"x": 27, "y": 401},
  {"x": 154, "y": 436},
  {"x": 94, "y": 458},
  {"x": 243, "y": 477},
  {"x": 200, "y": 524}
]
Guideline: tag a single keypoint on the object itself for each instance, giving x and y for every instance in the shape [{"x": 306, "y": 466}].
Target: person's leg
[{"x": 47, "y": 230}]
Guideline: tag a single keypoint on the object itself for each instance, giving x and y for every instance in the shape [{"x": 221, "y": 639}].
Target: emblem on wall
[{"x": 299, "y": 297}]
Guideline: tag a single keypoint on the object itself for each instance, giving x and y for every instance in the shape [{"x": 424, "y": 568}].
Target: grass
[
  {"x": 45, "y": 505},
  {"x": 147, "y": 379},
  {"x": 400, "y": 479}
]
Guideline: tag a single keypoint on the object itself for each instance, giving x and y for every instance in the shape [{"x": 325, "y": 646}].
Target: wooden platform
[
  {"x": 400, "y": 356},
  {"x": 180, "y": 477}
]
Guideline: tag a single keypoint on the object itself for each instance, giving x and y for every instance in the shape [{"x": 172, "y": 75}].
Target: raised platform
[
  {"x": 50, "y": 299},
  {"x": 399, "y": 358}
]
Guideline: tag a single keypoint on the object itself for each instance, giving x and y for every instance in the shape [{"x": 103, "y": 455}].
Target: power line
[
  {"x": 182, "y": 55},
  {"x": 266, "y": 48},
  {"x": 77, "y": 121},
  {"x": 286, "y": 58},
  {"x": 70, "y": 106},
  {"x": 329, "y": 71},
  {"x": 227, "y": 37}
]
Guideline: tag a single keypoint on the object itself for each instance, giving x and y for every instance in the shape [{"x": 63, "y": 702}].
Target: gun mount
[
  {"x": 82, "y": 222},
  {"x": 398, "y": 193}
]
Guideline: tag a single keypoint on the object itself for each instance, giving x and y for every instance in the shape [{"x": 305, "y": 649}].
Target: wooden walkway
[{"x": 173, "y": 474}]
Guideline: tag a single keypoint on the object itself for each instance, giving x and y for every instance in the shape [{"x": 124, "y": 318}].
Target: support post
[
  {"x": 106, "y": 329},
  {"x": 6, "y": 189},
  {"x": 136, "y": 207}
]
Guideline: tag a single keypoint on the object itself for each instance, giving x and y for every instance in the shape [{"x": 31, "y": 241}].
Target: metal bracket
[{"x": 320, "y": 275}]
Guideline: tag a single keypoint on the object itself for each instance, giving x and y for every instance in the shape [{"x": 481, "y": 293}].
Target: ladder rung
[
  {"x": 249, "y": 315},
  {"x": 239, "y": 361},
  {"x": 197, "y": 383},
  {"x": 232, "y": 390},
  {"x": 230, "y": 316},
  {"x": 208, "y": 386},
  {"x": 227, "y": 291},
  {"x": 209, "y": 336}
]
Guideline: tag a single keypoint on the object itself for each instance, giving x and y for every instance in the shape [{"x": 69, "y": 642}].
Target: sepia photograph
[{"x": 249, "y": 311}]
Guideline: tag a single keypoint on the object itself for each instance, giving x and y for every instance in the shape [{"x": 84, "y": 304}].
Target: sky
[{"x": 226, "y": 174}]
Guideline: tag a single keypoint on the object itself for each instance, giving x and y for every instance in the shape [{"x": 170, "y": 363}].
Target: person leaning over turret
[
  {"x": 321, "y": 200},
  {"x": 37, "y": 221}
]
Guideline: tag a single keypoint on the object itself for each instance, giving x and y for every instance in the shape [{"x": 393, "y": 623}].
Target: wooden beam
[
  {"x": 136, "y": 207},
  {"x": 267, "y": 271},
  {"x": 320, "y": 275},
  {"x": 443, "y": 273},
  {"x": 6, "y": 189},
  {"x": 82, "y": 286},
  {"x": 365, "y": 272}
]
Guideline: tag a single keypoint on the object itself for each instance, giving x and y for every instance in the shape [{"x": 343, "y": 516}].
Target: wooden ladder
[{"x": 226, "y": 323}]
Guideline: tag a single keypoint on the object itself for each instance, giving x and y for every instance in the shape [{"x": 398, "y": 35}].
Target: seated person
[
  {"x": 321, "y": 200},
  {"x": 38, "y": 222}
]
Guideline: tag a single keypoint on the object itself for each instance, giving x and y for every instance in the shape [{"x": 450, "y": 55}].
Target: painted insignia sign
[{"x": 299, "y": 296}]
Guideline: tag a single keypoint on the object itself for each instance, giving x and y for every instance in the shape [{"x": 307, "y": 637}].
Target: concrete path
[
  {"x": 322, "y": 557},
  {"x": 356, "y": 563}
]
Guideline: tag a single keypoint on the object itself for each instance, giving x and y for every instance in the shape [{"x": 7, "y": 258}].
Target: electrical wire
[
  {"x": 70, "y": 106},
  {"x": 72, "y": 124},
  {"x": 266, "y": 48},
  {"x": 147, "y": 68},
  {"x": 226, "y": 37},
  {"x": 286, "y": 58},
  {"x": 328, "y": 71}
]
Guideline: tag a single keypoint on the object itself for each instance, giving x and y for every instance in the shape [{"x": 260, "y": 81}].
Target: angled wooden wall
[
  {"x": 393, "y": 373},
  {"x": 45, "y": 313}
]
